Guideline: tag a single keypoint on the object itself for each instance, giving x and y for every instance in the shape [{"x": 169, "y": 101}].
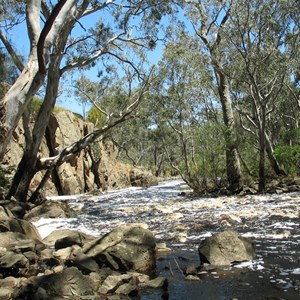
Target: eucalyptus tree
[
  {"x": 187, "y": 104},
  {"x": 259, "y": 34},
  {"x": 60, "y": 42},
  {"x": 130, "y": 138},
  {"x": 209, "y": 20}
]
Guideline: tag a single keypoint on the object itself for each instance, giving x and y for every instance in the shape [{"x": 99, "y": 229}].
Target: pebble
[{"x": 192, "y": 277}]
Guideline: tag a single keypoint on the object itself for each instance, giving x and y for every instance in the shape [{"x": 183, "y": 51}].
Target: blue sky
[{"x": 20, "y": 41}]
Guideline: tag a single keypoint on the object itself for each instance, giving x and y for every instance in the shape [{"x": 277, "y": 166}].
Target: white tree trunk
[
  {"x": 17, "y": 98},
  {"x": 15, "y": 101}
]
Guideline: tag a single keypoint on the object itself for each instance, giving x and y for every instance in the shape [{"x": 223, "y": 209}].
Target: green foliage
[
  {"x": 36, "y": 103},
  {"x": 210, "y": 157},
  {"x": 8, "y": 71},
  {"x": 11, "y": 12},
  {"x": 96, "y": 117},
  {"x": 289, "y": 157},
  {"x": 291, "y": 137}
]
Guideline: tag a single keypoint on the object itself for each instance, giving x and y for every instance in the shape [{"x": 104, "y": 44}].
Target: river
[{"x": 271, "y": 220}]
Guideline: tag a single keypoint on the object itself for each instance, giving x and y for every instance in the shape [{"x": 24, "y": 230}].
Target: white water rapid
[{"x": 271, "y": 220}]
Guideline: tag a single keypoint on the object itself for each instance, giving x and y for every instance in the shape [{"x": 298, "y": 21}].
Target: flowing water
[{"x": 272, "y": 221}]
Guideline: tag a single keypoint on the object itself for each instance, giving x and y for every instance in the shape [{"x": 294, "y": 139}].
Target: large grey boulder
[
  {"x": 127, "y": 247},
  {"x": 225, "y": 248}
]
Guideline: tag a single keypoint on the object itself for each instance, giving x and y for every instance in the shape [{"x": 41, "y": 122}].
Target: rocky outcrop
[
  {"x": 225, "y": 248},
  {"x": 95, "y": 168},
  {"x": 67, "y": 265}
]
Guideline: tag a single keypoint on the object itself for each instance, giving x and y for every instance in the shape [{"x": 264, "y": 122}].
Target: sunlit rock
[
  {"x": 127, "y": 289},
  {"x": 19, "y": 242},
  {"x": 5, "y": 293},
  {"x": 192, "y": 278},
  {"x": 225, "y": 248},
  {"x": 62, "y": 238},
  {"x": 5, "y": 214},
  {"x": 159, "y": 282},
  {"x": 49, "y": 209},
  {"x": 164, "y": 209},
  {"x": 112, "y": 282},
  {"x": 127, "y": 247},
  {"x": 162, "y": 248},
  {"x": 175, "y": 216}
]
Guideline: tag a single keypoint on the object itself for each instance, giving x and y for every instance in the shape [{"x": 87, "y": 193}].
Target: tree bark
[
  {"x": 27, "y": 169},
  {"x": 16, "y": 100},
  {"x": 50, "y": 35},
  {"x": 273, "y": 161},
  {"x": 233, "y": 169}
]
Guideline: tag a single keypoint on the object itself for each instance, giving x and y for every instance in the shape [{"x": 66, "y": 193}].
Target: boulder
[
  {"x": 142, "y": 179},
  {"x": 49, "y": 209},
  {"x": 127, "y": 247},
  {"x": 63, "y": 254},
  {"x": 225, "y": 248},
  {"x": 127, "y": 289},
  {"x": 5, "y": 293},
  {"x": 75, "y": 238},
  {"x": 159, "y": 282},
  {"x": 21, "y": 226},
  {"x": 13, "y": 208},
  {"x": 5, "y": 213},
  {"x": 68, "y": 284},
  {"x": 17, "y": 265},
  {"x": 112, "y": 282},
  {"x": 9, "y": 259},
  {"x": 83, "y": 262},
  {"x": 19, "y": 242},
  {"x": 62, "y": 238}
]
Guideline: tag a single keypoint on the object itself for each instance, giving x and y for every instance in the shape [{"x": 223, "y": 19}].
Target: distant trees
[{"x": 224, "y": 95}]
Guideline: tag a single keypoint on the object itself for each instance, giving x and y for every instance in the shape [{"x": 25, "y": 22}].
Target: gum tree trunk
[{"x": 232, "y": 159}]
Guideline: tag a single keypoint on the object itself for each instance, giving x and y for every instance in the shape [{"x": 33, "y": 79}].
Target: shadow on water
[{"x": 269, "y": 283}]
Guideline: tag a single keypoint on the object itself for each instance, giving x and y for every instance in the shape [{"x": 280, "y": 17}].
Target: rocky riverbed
[{"x": 271, "y": 220}]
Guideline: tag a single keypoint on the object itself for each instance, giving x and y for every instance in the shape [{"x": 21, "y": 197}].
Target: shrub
[{"x": 289, "y": 158}]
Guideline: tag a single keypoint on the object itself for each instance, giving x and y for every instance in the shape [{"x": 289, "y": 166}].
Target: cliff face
[{"x": 94, "y": 169}]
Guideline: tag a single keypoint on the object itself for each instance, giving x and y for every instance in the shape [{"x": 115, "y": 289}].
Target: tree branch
[
  {"x": 12, "y": 53},
  {"x": 41, "y": 42},
  {"x": 86, "y": 61},
  {"x": 69, "y": 152}
]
